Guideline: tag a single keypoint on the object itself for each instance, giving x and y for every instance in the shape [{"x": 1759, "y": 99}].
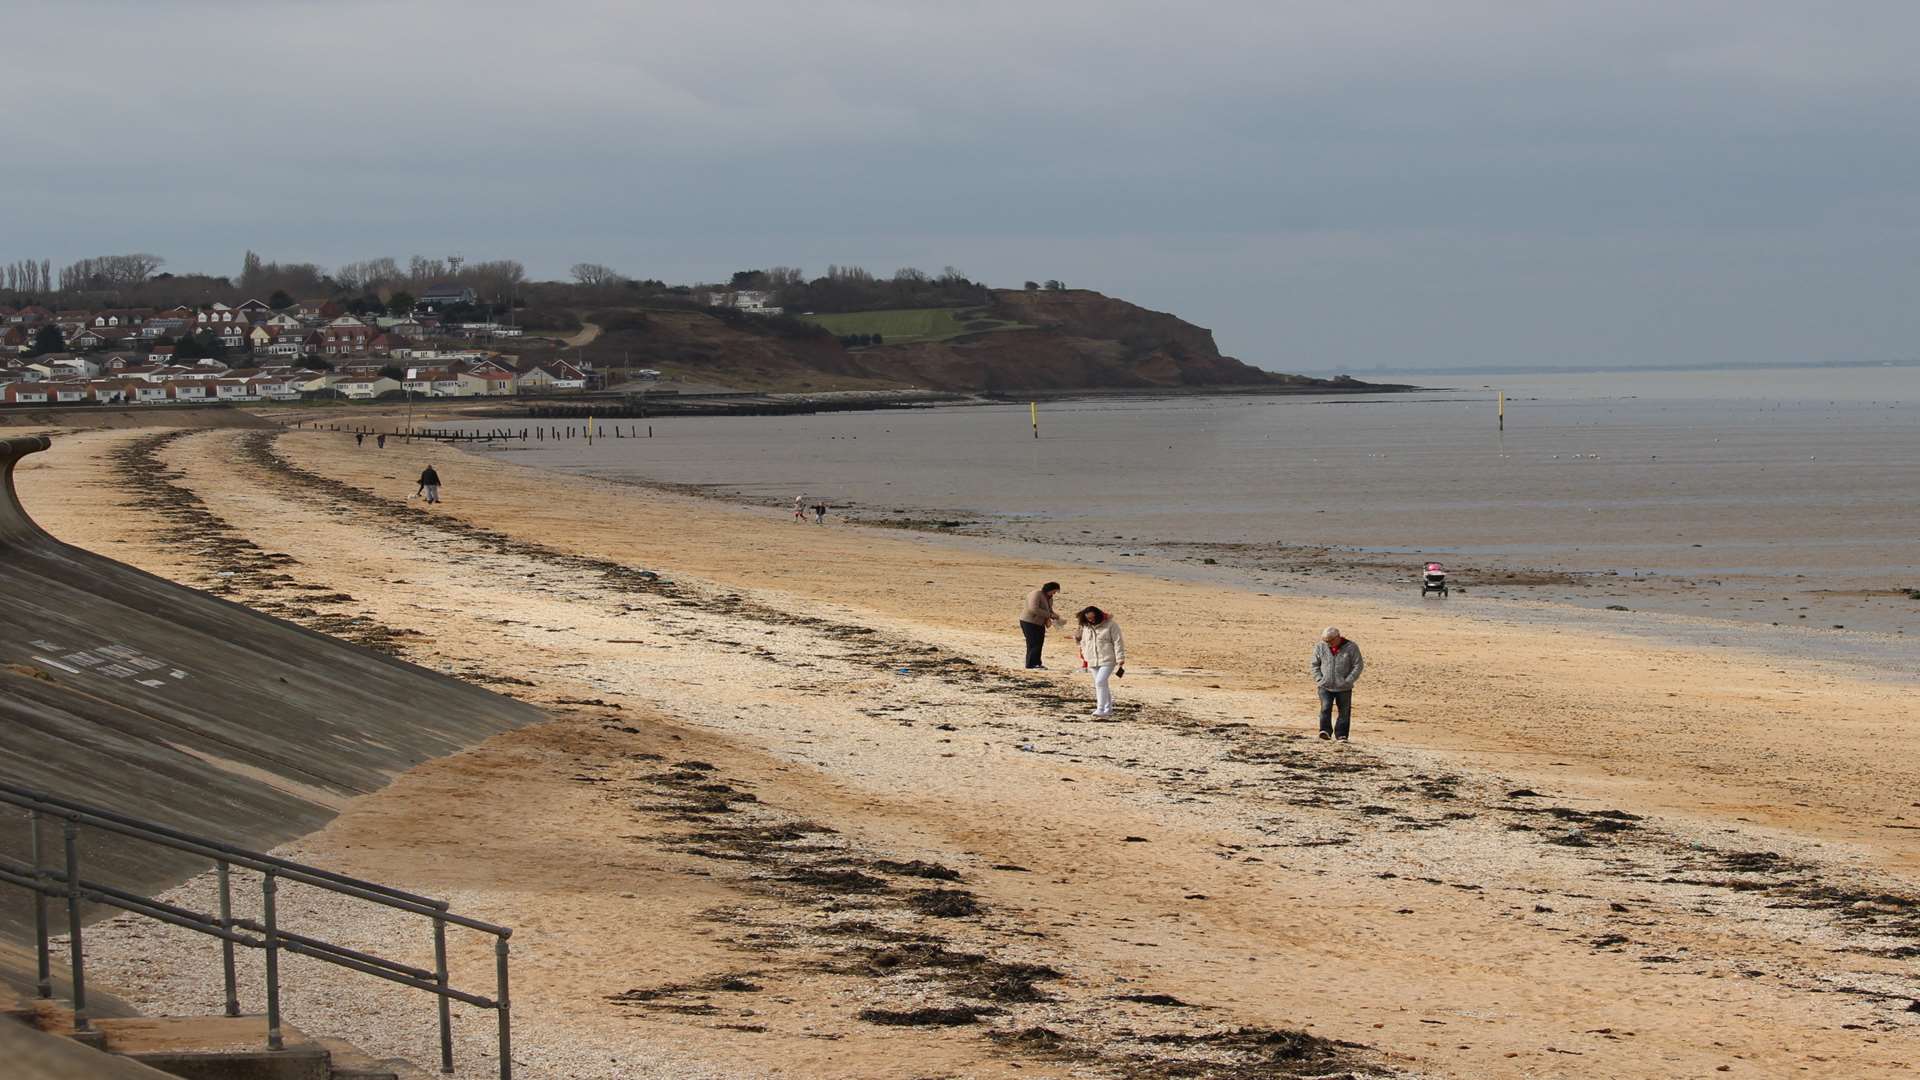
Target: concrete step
[
  {"x": 215, "y": 1048},
  {"x": 349, "y": 1062}
]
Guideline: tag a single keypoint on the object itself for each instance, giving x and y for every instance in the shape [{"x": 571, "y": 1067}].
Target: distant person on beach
[
  {"x": 1035, "y": 619},
  {"x": 800, "y": 507},
  {"x": 1336, "y": 667},
  {"x": 359, "y": 438},
  {"x": 819, "y": 513},
  {"x": 380, "y": 442},
  {"x": 429, "y": 485},
  {"x": 1102, "y": 651}
]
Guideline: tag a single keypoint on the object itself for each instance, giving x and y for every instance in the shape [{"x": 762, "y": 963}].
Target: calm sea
[{"x": 1789, "y": 484}]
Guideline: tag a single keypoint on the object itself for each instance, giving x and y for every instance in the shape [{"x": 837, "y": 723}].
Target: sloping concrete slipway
[{"x": 129, "y": 692}]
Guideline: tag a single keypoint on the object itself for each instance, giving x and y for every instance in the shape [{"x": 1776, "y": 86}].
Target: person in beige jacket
[
  {"x": 1035, "y": 619},
  {"x": 1103, "y": 651}
]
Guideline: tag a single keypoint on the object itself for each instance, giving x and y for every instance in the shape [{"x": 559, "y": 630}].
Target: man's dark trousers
[
  {"x": 1330, "y": 698},
  {"x": 1036, "y": 637}
]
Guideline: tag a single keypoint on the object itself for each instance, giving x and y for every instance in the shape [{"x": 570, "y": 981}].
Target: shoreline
[
  {"x": 763, "y": 732},
  {"x": 1493, "y": 589}
]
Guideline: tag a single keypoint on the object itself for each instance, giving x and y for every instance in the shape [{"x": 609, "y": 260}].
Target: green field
[{"x": 915, "y": 324}]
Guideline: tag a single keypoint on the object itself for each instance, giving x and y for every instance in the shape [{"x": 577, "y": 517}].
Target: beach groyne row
[
  {"x": 556, "y": 433},
  {"x": 649, "y": 408}
]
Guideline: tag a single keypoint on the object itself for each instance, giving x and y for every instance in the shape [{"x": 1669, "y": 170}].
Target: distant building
[{"x": 442, "y": 295}]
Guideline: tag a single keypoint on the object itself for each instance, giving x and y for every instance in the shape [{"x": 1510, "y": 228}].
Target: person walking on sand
[
  {"x": 800, "y": 507},
  {"x": 429, "y": 485},
  {"x": 380, "y": 442},
  {"x": 819, "y": 513},
  {"x": 1103, "y": 651},
  {"x": 1337, "y": 665},
  {"x": 359, "y": 438},
  {"x": 1035, "y": 619}
]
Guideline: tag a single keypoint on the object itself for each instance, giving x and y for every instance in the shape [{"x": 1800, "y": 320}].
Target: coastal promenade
[{"x": 796, "y": 802}]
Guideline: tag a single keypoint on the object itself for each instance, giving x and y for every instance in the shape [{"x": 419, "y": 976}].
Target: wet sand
[{"x": 804, "y": 761}]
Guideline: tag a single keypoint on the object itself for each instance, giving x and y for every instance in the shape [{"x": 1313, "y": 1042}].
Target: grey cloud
[{"x": 1325, "y": 184}]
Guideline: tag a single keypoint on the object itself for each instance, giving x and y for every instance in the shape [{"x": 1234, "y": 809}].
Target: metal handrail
[{"x": 65, "y": 882}]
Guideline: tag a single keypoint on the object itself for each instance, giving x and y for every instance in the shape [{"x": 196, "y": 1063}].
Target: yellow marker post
[
  {"x": 1033, "y": 407},
  {"x": 589, "y": 431},
  {"x": 1503, "y": 410}
]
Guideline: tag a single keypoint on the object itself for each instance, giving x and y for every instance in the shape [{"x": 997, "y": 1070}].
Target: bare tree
[{"x": 596, "y": 274}]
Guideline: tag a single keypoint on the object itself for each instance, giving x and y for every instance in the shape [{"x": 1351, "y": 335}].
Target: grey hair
[{"x": 1329, "y": 633}]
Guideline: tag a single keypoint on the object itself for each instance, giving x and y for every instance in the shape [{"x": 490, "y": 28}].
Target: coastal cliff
[
  {"x": 1018, "y": 341},
  {"x": 1075, "y": 339}
]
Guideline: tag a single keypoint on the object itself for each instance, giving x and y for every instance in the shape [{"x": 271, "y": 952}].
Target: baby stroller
[{"x": 1434, "y": 579}]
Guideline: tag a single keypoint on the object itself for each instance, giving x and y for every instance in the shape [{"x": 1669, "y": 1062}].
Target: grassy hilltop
[{"x": 1011, "y": 341}]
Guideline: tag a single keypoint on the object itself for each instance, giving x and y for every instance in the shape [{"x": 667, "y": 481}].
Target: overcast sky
[{"x": 1327, "y": 185}]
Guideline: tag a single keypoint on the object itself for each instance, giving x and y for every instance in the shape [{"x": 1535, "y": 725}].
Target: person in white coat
[{"x": 1103, "y": 651}]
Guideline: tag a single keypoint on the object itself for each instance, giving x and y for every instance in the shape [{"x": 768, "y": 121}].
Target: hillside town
[{"x": 254, "y": 352}]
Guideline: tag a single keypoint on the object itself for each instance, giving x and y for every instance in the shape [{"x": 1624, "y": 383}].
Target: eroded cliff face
[
  {"x": 1081, "y": 340},
  {"x": 1072, "y": 339}
]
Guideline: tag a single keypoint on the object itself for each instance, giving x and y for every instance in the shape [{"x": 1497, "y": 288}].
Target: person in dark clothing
[
  {"x": 1035, "y": 619},
  {"x": 359, "y": 438},
  {"x": 429, "y": 485},
  {"x": 380, "y": 441}
]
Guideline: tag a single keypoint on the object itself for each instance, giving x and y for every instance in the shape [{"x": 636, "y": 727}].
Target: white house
[
  {"x": 367, "y": 389},
  {"x": 24, "y": 393},
  {"x": 234, "y": 390}
]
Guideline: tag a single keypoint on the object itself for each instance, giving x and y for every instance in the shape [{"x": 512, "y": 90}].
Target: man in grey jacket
[{"x": 1336, "y": 667}]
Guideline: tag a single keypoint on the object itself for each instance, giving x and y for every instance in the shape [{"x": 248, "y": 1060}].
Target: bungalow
[
  {"x": 360, "y": 389},
  {"x": 215, "y": 314},
  {"x": 275, "y": 388},
  {"x": 259, "y": 337},
  {"x": 232, "y": 336},
  {"x": 253, "y": 309},
  {"x": 31, "y": 315},
  {"x": 147, "y": 393},
  {"x": 24, "y": 393},
  {"x": 15, "y": 340},
  {"x": 88, "y": 338},
  {"x": 282, "y": 321},
  {"x": 190, "y": 390},
  {"x": 67, "y": 393},
  {"x": 488, "y": 383},
  {"x": 234, "y": 390},
  {"x": 109, "y": 391},
  {"x": 564, "y": 376}
]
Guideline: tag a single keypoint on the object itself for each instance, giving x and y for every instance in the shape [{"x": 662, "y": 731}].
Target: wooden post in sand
[
  {"x": 1033, "y": 410},
  {"x": 1503, "y": 410}
]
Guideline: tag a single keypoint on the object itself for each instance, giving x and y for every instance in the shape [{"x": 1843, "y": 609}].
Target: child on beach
[
  {"x": 800, "y": 507},
  {"x": 819, "y": 513},
  {"x": 1103, "y": 651}
]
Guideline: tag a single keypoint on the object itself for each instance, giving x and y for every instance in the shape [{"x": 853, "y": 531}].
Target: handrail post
[
  {"x": 73, "y": 926},
  {"x": 43, "y": 953},
  {"x": 446, "y": 1005},
  {"x": 226, "y": 944},
  {"x": 273, "y": 962},
  {"x": 504, "y": 1008}
]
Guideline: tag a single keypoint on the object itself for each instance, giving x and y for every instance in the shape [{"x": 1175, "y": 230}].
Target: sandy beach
[{"x": 799, "y": 813}]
